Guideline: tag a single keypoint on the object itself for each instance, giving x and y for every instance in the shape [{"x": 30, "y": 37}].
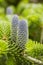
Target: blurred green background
[{"x": 32, "y": 10}]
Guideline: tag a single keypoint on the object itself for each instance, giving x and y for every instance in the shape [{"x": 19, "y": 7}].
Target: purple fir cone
[
  {"x": 14, "y": 28},
  {"x": 22, "y": 34}
]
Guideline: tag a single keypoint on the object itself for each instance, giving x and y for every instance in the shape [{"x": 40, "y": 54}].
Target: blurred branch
[
  {"x": 41, "y": 40},
  {"x": 33, "y": 60},
  {"x": 36, "y": 1}
]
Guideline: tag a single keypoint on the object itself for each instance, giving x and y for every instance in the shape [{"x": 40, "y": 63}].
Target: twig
[{"x": 33, "y": 59}]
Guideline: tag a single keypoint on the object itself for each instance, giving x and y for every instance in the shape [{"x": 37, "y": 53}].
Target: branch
[
  {"x": 41, "y": 40},
  {"x": 33, "y": 59}
]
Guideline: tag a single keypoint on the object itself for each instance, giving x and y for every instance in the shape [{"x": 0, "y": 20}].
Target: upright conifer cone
[
  {"x": 14, "y": 28},
  {"x": 22, "y": 34}
]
